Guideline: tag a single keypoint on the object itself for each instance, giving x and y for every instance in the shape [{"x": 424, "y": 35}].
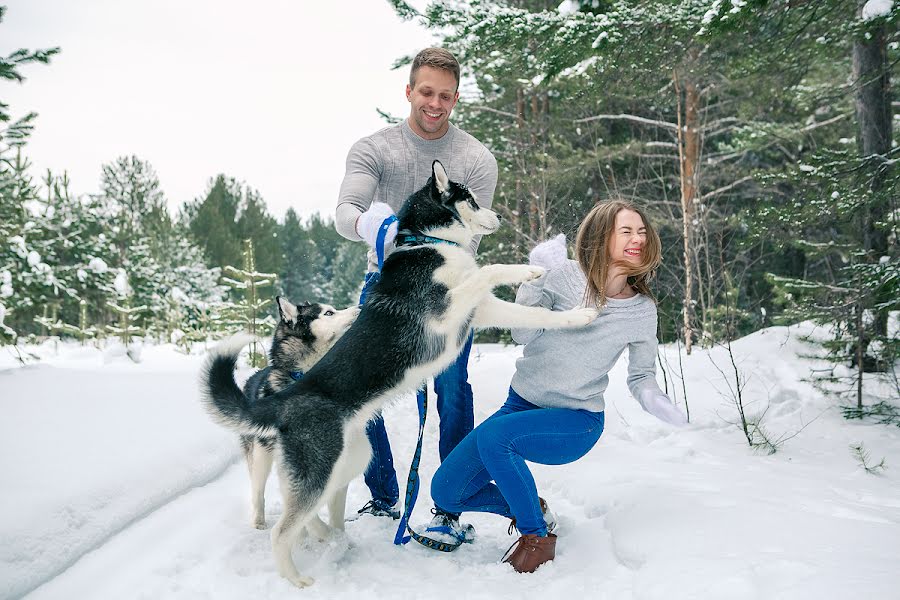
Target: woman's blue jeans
[{"x": 497, "y": 450}]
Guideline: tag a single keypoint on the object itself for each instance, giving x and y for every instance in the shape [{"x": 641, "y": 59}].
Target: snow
[
  {"x": 874, "y": 9},
  {"x": 6, "y": 288},
  {"x": 117, "y": 485},
  {"x": 98, "y": 265},
  {"x": 121, "y": 284}
]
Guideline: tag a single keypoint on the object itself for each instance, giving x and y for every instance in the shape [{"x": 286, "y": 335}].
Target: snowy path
[{"x": 650, "y": 513}]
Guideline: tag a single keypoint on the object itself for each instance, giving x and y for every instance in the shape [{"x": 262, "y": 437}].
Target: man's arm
[{"x": 358, "y": 187}]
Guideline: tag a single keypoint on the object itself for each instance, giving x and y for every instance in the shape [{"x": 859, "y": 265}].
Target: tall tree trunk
[
  {"x": 520, "y": 203},
  {"x": 689, "y": 162},
  {"x": 871, "y": 72}
]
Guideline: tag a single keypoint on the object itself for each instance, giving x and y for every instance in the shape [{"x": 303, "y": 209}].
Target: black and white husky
[
  {"x": 412, "y": 326},
  {"x": 304, "y": 333}
]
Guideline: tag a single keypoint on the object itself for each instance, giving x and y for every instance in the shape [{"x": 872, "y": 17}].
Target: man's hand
[
  {"x": 660, "y": 406},
  {"x": 368, "y": 224},
  {"x": 551, "y": 254}
]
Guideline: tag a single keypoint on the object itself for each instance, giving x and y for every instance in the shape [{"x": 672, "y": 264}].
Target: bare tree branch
[{"x": 725, "y": 188}]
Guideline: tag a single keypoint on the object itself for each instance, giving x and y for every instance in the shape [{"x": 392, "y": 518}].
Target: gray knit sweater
[
  {"x": 567, "y": 368},
  {"x": 394, "y": 162}
]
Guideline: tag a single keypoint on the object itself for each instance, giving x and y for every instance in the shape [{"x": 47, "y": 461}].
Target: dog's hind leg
[
  {"x": 286, "y": 532},
  {"x": 337, "y": 504},
  {"x": 259, "y": 461}
]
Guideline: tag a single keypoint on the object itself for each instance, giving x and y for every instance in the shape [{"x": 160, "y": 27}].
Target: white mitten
[
  {"x": 550, "y": 254},
  {"x": 368, "y": 224},
  {"x": 658, "y": 404}
]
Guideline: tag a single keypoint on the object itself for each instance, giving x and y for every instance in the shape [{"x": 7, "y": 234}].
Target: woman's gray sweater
[{"x": 568, "y": 368}]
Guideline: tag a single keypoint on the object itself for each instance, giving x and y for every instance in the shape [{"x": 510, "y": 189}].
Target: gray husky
[
  {"x": 431, "y": 295},
  {"x": 304, "y": 333}
]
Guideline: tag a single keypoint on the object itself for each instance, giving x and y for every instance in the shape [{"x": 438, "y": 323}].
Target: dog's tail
[{"x": 225, "y": 401}]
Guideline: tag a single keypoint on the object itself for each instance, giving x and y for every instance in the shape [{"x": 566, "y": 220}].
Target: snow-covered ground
[{"x": 117, "y": 485}]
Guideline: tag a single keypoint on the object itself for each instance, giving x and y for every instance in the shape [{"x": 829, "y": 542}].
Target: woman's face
[{"x": 628, "y": 237}]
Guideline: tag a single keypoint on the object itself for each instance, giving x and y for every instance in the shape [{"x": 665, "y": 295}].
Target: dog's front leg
[
  {"x": 473, "y": 289},
  {"x": 494, "y": 312},
  {"x": 510, "y": 274}
]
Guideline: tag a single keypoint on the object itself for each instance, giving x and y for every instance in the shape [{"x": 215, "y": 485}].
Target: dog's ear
[
  {"x": 439, "y": 177},
  {"x": 286, "y": 310}
]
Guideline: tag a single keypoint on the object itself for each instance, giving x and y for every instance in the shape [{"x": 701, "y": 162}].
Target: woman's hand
[
  {"x": 660, "y": 406},
  {"x": 551, "y": 254}
]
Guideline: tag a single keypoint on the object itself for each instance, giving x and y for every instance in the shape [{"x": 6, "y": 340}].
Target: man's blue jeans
[
  {"x": 454, "y": 405},
  {"x": 497, "y": 450}
]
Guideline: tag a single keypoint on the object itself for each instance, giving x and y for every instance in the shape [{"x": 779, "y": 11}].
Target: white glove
[
  {"x": 550, "y": 254},
  {"x": 660, "y": 406},
  {"x": 368, "y": 224}
]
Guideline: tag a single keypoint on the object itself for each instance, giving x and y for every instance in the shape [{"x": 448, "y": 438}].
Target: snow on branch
[{"x": 633, "y": 118}]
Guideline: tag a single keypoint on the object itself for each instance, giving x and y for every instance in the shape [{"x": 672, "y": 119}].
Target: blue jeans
[
  {"x": 457, "y": 418},
  {"x": 497, "y": 450}
]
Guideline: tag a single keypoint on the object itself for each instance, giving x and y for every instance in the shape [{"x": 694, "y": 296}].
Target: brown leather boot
[{"x": 530, "y": 551}]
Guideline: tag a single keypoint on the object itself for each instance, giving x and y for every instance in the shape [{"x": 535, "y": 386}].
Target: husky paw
[
  {"x": 579, "y": 317},
  {"x": 300, "y": 581},
  {"x": 259, "y": 523},
  {"x": 513, "y": 274},
  {"x": 532, "y": 272}
]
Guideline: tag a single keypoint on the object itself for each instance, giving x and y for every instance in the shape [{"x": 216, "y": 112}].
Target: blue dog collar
[
  {"x": 419, "y": 239},
  {"x": 296, "y": 375}
]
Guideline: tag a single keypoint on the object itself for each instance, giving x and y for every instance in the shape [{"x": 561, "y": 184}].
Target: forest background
[{"x": 759, "y": 135}]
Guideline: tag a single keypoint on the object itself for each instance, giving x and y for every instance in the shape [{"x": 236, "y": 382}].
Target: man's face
[{"x": 431, "y": 102}]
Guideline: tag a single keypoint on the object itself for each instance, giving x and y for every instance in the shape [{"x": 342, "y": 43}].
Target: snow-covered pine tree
[
  {"x": 128, "y": 315},
  {"x": 15, "y": 190},
  {"x": 349, "y": 272},
  {"x": 678, "y": 105},
  {"x": 844, "y": 287},
  {"x": 84, "y": 330},
  {"x": 247, "y": 313}
]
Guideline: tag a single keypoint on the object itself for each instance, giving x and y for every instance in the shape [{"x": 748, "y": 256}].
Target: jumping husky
[
  {"x": 412, "y": 326},
  {"x": 304, "y": 333}
]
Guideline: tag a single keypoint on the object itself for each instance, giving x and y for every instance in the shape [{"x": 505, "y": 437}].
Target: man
[{"x": 383, "y": 169}]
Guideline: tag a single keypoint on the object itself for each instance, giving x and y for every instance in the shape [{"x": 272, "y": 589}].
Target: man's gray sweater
[
  {"x": 391, "y": 164},
  {"x": 568, "y": 368}
]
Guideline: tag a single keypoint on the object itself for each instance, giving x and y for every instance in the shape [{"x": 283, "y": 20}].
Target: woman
[{"x": 554, "y": 412}]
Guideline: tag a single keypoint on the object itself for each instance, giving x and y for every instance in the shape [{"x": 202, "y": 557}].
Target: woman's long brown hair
[{"x": 592, "y": 251}]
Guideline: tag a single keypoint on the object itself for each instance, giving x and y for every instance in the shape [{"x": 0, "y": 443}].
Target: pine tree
[
  {"x": 213, "y": 221},
  {"x": 128, "y": 315},
  {"x": 349, "y": 270},
  {"x": 246, "y": 314},
  {"x": 255, "y": 223},
  {"x": 678, "y": 105}
]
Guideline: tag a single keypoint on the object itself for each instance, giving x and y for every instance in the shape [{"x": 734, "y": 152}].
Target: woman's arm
[
  {"x": 642, "y": 382},
  {"x": 532, "y": 293}
]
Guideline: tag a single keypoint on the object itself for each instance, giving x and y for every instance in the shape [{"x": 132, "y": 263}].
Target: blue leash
[{"x": 412, "y": 480}]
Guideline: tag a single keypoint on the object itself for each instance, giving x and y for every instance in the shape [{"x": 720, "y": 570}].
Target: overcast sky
[{"x": 272, "y": 92}]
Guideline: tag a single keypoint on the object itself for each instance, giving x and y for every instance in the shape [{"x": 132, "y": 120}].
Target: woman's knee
[{"x": 445, "y": 490}]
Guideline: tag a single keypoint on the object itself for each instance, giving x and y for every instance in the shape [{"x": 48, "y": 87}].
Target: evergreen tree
[
  {"x": 349, "y": 270},
  {"x": 213, "y": 222},
  {"x": 255, "y": 223},
  {"x": 247, "y": 314},
  {"x": 131, "y": 186}
]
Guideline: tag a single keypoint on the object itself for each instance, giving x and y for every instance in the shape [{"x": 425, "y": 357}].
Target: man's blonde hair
[
  {"x": 592, "y": 246},
  {"x": 437, "y": 58}
]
